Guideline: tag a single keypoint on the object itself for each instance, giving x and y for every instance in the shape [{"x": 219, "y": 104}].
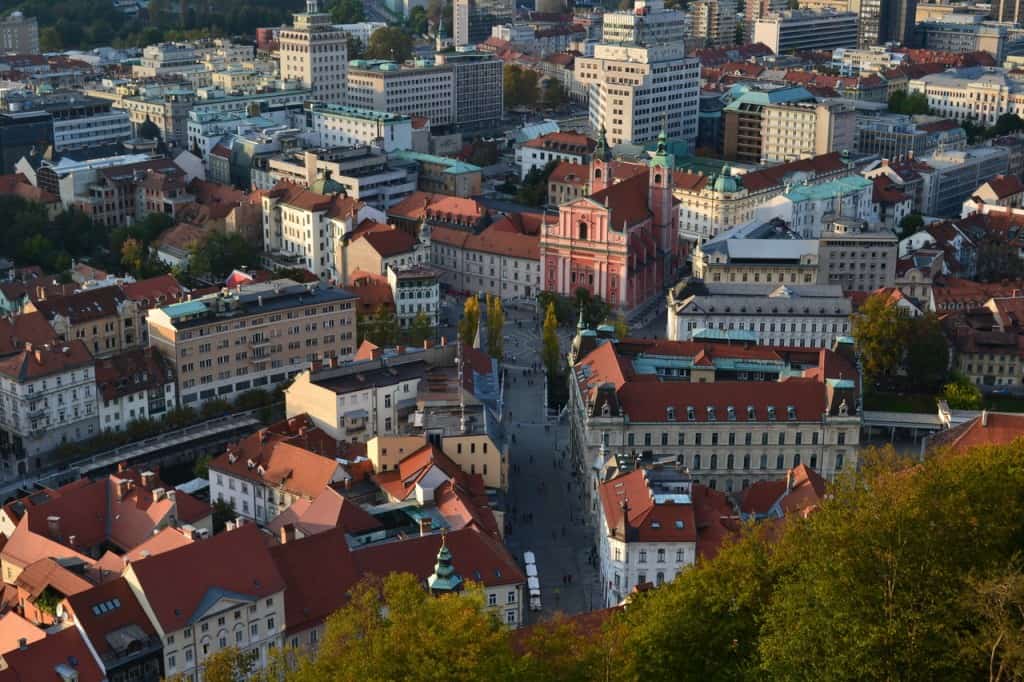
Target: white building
[
  {"x": 636, "y": 91},
  {"x": 806, "y": 316},
  {"x": 807, "y": 208},
  {"x": 540, "y": 151},
  {"x": 19, "y": 34},
  {"x": 362, "y": 30},
  {"x": 799, "y": 130},
  {"x": 649, "y": 529},
  {"x": 416, "y": 290},
  {"x": 47, "y": 398},
  {"x": 874, "y": 59},
  {"x": 315, "y": 53},
  {"x": 980, "y": 94},
  {"x": 133, "y": 386},
  {"x": 647, "y": 23},
  {"x": 713, "y": 22},
  {"x": 423, "y": 90},
  {"x": 341, "y": 126}
]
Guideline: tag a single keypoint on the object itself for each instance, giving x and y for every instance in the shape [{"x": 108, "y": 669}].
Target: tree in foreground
[{"x": 879, "y": 331}]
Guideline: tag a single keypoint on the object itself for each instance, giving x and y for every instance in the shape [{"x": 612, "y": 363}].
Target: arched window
[
  {"x": 764, "y": 461},
  {"x": 780, "y": 463},
  {"x": 661, "y": 556},
  {"x": 696, "y": 462},
  {"x": 714, "y": 461},
  {"x": 746, "y": 461},
  {"x": 814, "y": 461},
  {"x": 583, "y": 230},
  {"x": 657, "y": 178},
  {"x": 597, "y": 172},
  {"x": 796, "y": 460},
  {"x": 729, "y": 462}
]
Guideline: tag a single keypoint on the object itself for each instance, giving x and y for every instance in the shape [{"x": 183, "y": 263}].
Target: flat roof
[{"x": 357, "y": 112}]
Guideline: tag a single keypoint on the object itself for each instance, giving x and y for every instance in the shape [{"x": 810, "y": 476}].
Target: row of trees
[
  {"x": 382, "y": 329},
  {"x": 907, "y": 572},
  {"x": 495, "y": 324}
]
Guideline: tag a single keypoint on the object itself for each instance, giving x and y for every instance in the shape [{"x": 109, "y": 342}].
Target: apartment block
[
  {"x": 797, "y": 130},
  {"x": 648, "y": 22},
  {"x": 253, "y": 336},
  {"x": 713, "y": 22}
]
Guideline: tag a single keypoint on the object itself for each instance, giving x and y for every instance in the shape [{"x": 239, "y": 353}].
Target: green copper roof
[{"x": 444, "y": 577}]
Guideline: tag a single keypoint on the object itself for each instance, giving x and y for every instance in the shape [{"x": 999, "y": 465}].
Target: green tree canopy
[
  {"x": 420, "y": 329},
  {"x": 927, "y": 351},
  {"x": 520, "y": 86},
  {"x": 470, "y": 320},
  {"x": 550, "y": 352},
  {"x": 220, "y": 253},
  {"x": 879, "y": 331},
  {"x": 495, "y": 327},
  {"x": 910, "y": 103},
  {"x": 389, "y": 43}
]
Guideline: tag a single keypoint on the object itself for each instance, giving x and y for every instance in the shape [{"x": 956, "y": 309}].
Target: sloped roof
[
  {"x": 391, "y": 242},
  {"x": 296, "y": 469},
  {"x": 46, "y": 360},
  {"x": 42, "y": 658},
  {"x": 111, "y": 617},
  {"x": 318, "y": 572}
]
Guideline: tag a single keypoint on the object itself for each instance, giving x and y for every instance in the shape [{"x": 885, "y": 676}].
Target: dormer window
[
  {"x": 606, "y": 410},
  {"x": 670, "y": 413},
  {"x": 690, "y": 413},
  {"x": 732, "y": 413},
  {"x": 771, "y": 413},
  {"x": 791, "y": 412},
  {"x": 751, "y": 414},
  {"x": 711, "y": 413}
]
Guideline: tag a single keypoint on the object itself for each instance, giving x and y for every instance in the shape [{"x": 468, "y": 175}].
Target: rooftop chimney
[
  {"x": 789, "y": 480},
  {"x": 159, "y": 494},
  {"x": 39, "y": 356},
  {"x": 53, "y": 524},
  {"x": 287, "y": 533},
  {"x": 984, "y": 417},
  {"x": 147, "y": 479},
  {"x": 23, "y": 643}
]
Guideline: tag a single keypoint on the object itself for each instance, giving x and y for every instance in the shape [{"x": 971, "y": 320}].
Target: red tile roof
[
  {"x": 567, "y": 142},
  {"x": 801, "y": 492},
  {"x": 46, "y": 360},
  {"x": 570, "y": 173},
  {"x": 45, "y": 573},
  {"x": 41, "y": 660},
  {"x": 234, "y": 561},
  {"x": 500, "y": 241},
  {"x": 110, "y": 616},
  {"x": 1006, "y": 185},
  {"x": 328, "y": 510},
  {"x": 182, "y": 236},
  {"x": 131, "y": 372},
  {"x": 391, "y": 242},
  {"x": 154, "y": 291},
  {"x": 318, "y": 572},
  {"x": 83, "y": 306},
  {"x": 774, "y": 176},
  {"x": 991, "y": 428},
  {"x": 28, "y": 327},
  {"x": 18, "y": 185},
  {"x": 626, "y": 201},
  {"x": 296, "y": 196}
]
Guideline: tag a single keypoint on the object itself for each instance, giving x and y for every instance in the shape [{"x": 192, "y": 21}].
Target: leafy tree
[
  {"x": 927, "y": 359},
  {"x": 961, "y": 394},
  {"x": 354, "y": 47},
  {"x": 397, "y": 627},
  {"x": 420, "y": 329},
  {"x": 214, "y": 408},
  {"x": 621, "y": 328},
  {"x": 534, "y": 189},
  {"x": 347, "y": 12},
  {"x": 910, "y": 103},
  {"x": 220, "y": 253},
  {"x": 229, "y": 665},
  {"x": 495, "y": 327},
  {"x": 440, "y": 10},
  {"x": 470, "y": 320},
  {"x": 910, "y": 224},
  {"x": 133, "y": 254},
  {"x": 555, "y": 95},
  {"x": 381, "y": 328},
  {"x": 389, "y": 43},
  {"x": 223, "y": 511},
  {"x": 549, "y": 342},
  {"x": 520, "y": 86},
  {"x": 879, "y": 331},
  {"x": 996, "y": 260},
  {"x": 417, "y": 22},
  {"x": 201, "y": 468},
  {"x": 998, "y": 604}
]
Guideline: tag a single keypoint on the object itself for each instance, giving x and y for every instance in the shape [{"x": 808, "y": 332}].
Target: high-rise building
[
  {"x": 474, "y": 19},
  {"x": 648, "y": 23},
  {"x": 315, "y": 53},
  {"x": 754, "y": 10},
  {"x": 1008, "y": 10},
  {"x": 19, "y": 34},
  {"x": 798, "y": 30},
  {"x": 886, "y": 21},
  {"x": 636, "y": 90},
  {"x": 713, "y": 22}
]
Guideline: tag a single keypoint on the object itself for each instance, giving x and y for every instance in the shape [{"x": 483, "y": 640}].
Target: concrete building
[
  {"x": 47, "y": 398},
  {"x": 340, "y": 126},
  {"x": 315, "y": 53},
  {"x": 948, "y": 178},
  {"x": 713, "y": 22},
  {"x": 885, "y": 21},
  {"x": 79, "y": 121},
  {"x": 971, "y": 33},
  {"x": 875, "y": 59},
  {"x": 420, "y": 90},
  {"x": 417, "y": 291},
  {"x": 806, "y": 316},
  {"x": 104, "y": 319},
  {"x": 647, "y": 23},
  {"x": 257, "y": 335},
  {"x": 1009, "y": 11},
  {"x": 892, "y": 136},
  {"x": 562, "y": 146},
  {"x": 478, "y": 88},
  {"x": 856, "y": 258},
  {"x": 19, "y": 34},
  {"x": 798, "y": 130},
  {"x": 730, "y": 414},
  {"x": 756, "y": 10},
  {"x": 808, "y": 209},
  {"x": 473, "y": 20},
  {"x": 362, "y": 30},
  {"x": 637, "y": 91},
  {"x": 443, "y": 174},
  {"x": 806, "y": 30},
  {"x": 743, "y": 120}
]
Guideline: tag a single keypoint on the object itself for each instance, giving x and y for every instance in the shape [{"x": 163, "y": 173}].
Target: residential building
[
  {"x": 856, "y": 258},
  {"x": 237, "y": 599},
  {"x": 263, "y": 474},
  {"x": 133, "y": 386},
  {"x": 799, "y": 315},
  {"x": 306, "y": 226},
  {"x": 443, "y": 174},
  {"x": 562, "y": 146},
  {"x": 653, "y": 525},
  {"x": 473, "y": 19},
  {"x": 730, "y": 414},
  {"x": 19, "y": 34},
  {"x": 48, "y": 657},
  {"x": 886, "y": 21},
  {"x": 648, "y": 22},
  {"x": 20, "y": 134},
  {"x": 362, "y": 30},
  {"x": 234, "y": 340},
  {"x": 951, "y": 177},
  {"x": 422, "y": 211},
  {"x": 620, "y": 243},
  {"x": 713, "y": 22},
  {"x": 378, "y": 250},
  {"x": 1009, "y": 11},
  {"x": 988, "y": 428},
  {"x": 104, "y": 319},
  {"x": 806, "y": 30},
  {"x": 773, "y": 255},
  {"x": 47, "y": 398},
  {"x": 315, "y": 53},
  {"x": 800, "y": 493},
  {"x": 503, "y": 260},
  {"x": 623, "y": 80},
  {"x": 416, "y": 291},
  {"x": 761, "y": 9},
  {"x": 341, "y": 126},
  {"x": 417, "y": 90},
  {"x": 808, "y": 209},
  {"x": 711, "y": 205},
  {"x": 798, "y": 130},
  {"x": 743, "y": 120}
]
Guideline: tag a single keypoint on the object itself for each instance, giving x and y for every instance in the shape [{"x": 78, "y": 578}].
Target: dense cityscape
[{"x": 417, "y": 340}]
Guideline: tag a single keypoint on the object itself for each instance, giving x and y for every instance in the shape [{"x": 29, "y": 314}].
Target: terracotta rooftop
[
  {"x": 800, "y": 492},
  {"x": 989, "y": 428},
  {"x": 45, "y": 360},
  {"x": 131, "y": 372},
  {"x": 388, "y": 243},
  {"x": 296, "y": 196},
  {"x": 18, "y": 330},
  {"x": 154, "y": 291},
  {"x": 500, "y": 241},
  {"x": 48, "y": 657},
  {"x": 566, "y": 142},
  {"x": 1004, "y": 186},
  {"x": 112, "y": 618},
  {"x": 83, "y": 306}
]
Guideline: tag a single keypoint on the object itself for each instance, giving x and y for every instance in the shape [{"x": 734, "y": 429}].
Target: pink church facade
[{"x": 620, "y": 243}]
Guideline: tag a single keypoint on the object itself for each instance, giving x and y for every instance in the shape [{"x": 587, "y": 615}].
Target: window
[
  {"x": 696, "y": 461},
  {"x": 643, "y": 556},
  {"x": 796, "y": 460},
  {"x": 841, "y": 438},
  {"x": 510, "y": 598},
  {"x": 661, "y": 556},
  {"x": 664, "y": 439},
  {"x": 660, "y": 578},
  {"x": 714, "y": 461},
  {"x": 510, "y": 617},
  {"x": 780, "y": 463},
  {"x": 492, "y": 599}
]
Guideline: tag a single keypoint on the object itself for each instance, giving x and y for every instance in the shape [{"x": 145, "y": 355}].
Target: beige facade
[
  {"x": 427, "y": 91},
  {"x": 474, "y": 453},
  {"x": 859, "y": 261},
  {"x": 255, "y": 336},
  {"x": 800, "y": 129},
  {"x": 316, "y": 54},
  {"x": 713, "y": 22},
  {"x": 635, "y": 91}
]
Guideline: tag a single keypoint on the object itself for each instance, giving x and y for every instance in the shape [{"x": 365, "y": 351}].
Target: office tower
[
  {"x": 886, "y": 21},
  {"x": 474, "y": 19},
  {"x": 315, "y": 53}
]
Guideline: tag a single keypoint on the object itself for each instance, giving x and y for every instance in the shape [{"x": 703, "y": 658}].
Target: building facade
[
  {"x": 340, "y": 126},
  {"x": 19, "y": 34},
  {"x": 255, "y": 336},
  {"x": 807, "y": 30},
  {"x": 797, "y": 130},
  {"x": 315, "y": 53},
  {"x": 427, "y": 91}
]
